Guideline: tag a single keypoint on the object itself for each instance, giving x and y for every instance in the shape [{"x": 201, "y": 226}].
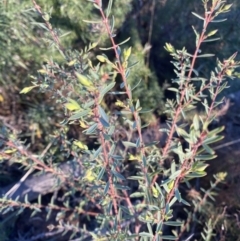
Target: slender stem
[
  {"x": 49, "y": 26},
  {"x": 184, "y": 166},
  {"x": 121, "y": 71},
  {"x": 180, "y": 107},
  {"x": 105, "y": 154}
]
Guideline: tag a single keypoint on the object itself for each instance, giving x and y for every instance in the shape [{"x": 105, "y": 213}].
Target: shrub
[{"x": 113, "y": 181}]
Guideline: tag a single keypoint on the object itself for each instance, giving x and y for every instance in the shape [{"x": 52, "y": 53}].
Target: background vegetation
[{"x": 25, "y": 48}]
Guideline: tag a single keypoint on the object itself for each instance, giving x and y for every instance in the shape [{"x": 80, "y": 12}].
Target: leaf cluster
[{"x": 134, "y": 186}]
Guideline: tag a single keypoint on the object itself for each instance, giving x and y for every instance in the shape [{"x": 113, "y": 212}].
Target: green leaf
[
  {"x": 106, "y": 48},
  {"x": 42, "y": 25},
  {"x": 196, "y": 122},
  {"x": 71, "y": 63},
  {"x": 196, "y": 33},
  {"x": 119, "y": 51},
  {"x": 117, "y": 157},
  {"x": 101, "y": 173},
  {"x": 26, "y": 199},
  {"x": 137, "y": 194},
  {"x": 173, "y": 223},
  {"x": 155, "y": 192},
  {"x": 79, "y": 114},
  {"x": 226, "y": 8},
  {"x": 123, "y": 42},
  {"x": 210, "y": 40},
  {"x": 205, "y": 55},
  {"x": 136, "y": 85},
  {"x": 10, "y": 151},
  {"x": 72, "y": 105},
  {"x": 168, "y": 237},
  {"x": 122, "y": 85},
  {"x": 216, "y": 131},
  {"x": 106, "y": 188},
  {"x": 40, "y": 200},
  {"x": 107, "y": 137},
  {"x": 103, "y": 114},
  {"x": 186, "y": 203},
  {"x": 85, "y": 81},
  {"x": 104, "y": 122},
  {"x": 169, "y": 48},
  {"x": 173, "y": 89},
  {"x": 129, "y": 144},
  {"x": 92, "y": 21},
  {"x": 125, "y": 209},
  {"x": 123, "y": 112},
  {"x": 175, "y": 174},
  {"x": 174, "y": 199},
  {"x": 112, "y": 24},
  {"x": 147, "y": 235},
  {"x": 205, "y": 157},
  {"x": 219, "y": 20},
  {"x": 198, "y": 16},
  {"x": 101, "y": 58},
  {"x": 137, "y": 178},
  {"x": 96, "y": 6},
  {"x": 213, "y": 139},
  {"x": 145, "y": 111},
  {"x": 109, "y": 8},
  {"x": 167, "y": 181},
  {"x": 132, "y": 65},
  {"x": 153, "y": 143},
  {"x": 118, "y": 175},
  {"x": 173, "y": 167},
  {"x": 149, "y": 226},
  {"x": 93, "y": 45},
  {"x": 159, "y": 227},
  {"x": 138, "y": 142},
  {"x": 182, "y": 132},
  {"x": 80, "y": 145},
  {"x": 111, "y": 130},
  {"x": 212, "y": 33},
  {"x": 121, "y": 187},
  {"x": 178, "y": 195},
  {"x": 208, "y": 149},
  {"x": 127, "y": 53},
  {"x": 88, "y": 104},
  {"x": 117, "y": 92},
  {"x": 105, "y": 90},
  {"x": 91, "y": 129},
  {"x": 144, "y": 161},
  {"x": 97, "y": 152},
  {"x": 27, "y": 89},
  {"x": 200, "y": 167}
]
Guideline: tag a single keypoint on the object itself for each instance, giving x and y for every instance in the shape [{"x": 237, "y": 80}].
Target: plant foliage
[{"x": 130, "y": 188}]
